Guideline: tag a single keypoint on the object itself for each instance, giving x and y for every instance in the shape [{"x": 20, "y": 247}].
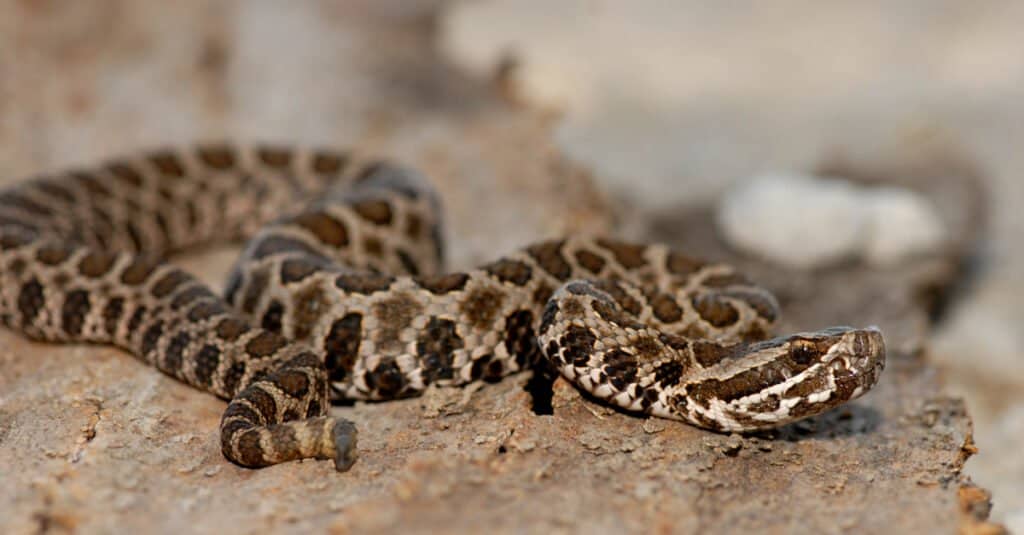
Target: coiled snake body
[{"x": 339, "y": 293}]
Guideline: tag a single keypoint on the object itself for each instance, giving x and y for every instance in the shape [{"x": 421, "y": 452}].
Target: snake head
[{"x": 786, "y": 379}]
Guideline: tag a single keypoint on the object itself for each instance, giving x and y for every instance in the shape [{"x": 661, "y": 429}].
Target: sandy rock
[{"x": 902, "y": 224}]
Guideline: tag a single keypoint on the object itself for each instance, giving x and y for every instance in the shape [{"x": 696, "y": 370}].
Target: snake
[{"x": 340, "y": 293}]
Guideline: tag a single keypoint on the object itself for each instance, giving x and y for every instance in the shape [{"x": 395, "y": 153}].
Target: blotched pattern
[{"x": 340, "y": 293}]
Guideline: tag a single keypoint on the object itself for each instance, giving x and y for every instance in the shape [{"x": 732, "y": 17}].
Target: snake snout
[
  {"x": 857, "y": 363},
  {"x": 867, "y": 359}
]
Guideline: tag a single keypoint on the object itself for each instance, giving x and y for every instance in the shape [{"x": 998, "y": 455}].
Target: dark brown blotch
[
  {"x": 436, "y": 346},
  {"x": 375, "y": 211},
  {"x": 724, "y": 280},
  {"x": 520, "y": 340},
  {"x": 542, "y": 293},
  {"x": 73, "y": 312},
  {"x": 512, "y": 271},
  {"x": 328, "y": 162},
  {"x": 13, "y": 240},
  {"x": 342, "y": 345},
  {"x": 249, "y": 449},
  {"x": 577, "y": 345},
  {"x": 292, "y": 382},
  {"x": 30, "y": 300},
  {"x": 191, "y": 295},
  {"x": 219, "y": 157},
  {"x": 665, "y": 308},
  {"x": 763, "y": 305},
  {"x": 549, "y": 256},
  {"x": 274, "y": 157},
  {"x": 373, "y": 246},
  {"x": 16, "y": 200},
  {"x": 309, "y": 304},
  {"x": 715, "y": 310},
  {"x": 743, "y": 384},
  {"x": 590, "y": 261},
  {"x": 254, "y": 290},
  {"x": 57, "y": 191},
  {"x": 169, "y": 282},
  {"x": 233, "y": 377},
  {"x": 52, "y": 254},
  {"x": 138, "y": 315},
  {"x": 443, "y": 284},
  {"x": 364, "y": 284},
  {"x": 680, "y": 264},
  {"x": 134, "y": 236},
  {"x": 647, "y": 348},
  {"x": 151, "y": 337},
  {"x": 547, "y": 318},
  {"x": 621, "y": 296},
  {"x": 620, "y": 368},
  {"x": 96, "y": 264},
  {"x": 230, "y": 329},
  {"x": 123, "y": 171},
  {"x": 271, "y": 320},
  {"x": 91, "y": 184},
  {"x": 670, "y": 372},
  {"x": 167, "y": 163},
  {"x": 205, "y": 310},
  {"x": 263, "y": 402},
  {"x": 112, "y": 312},
  {"x": 314, "y": 409},
  {"x": 296, "y": 269},
  {"x": 387, "y": 380},
  {"x": 677, "y": 343},
  {"x": 174, "y": 354},
  {"x": 409, "y": 265},
  {"x": 264, "y": 344},
  {"x": 325, "y": 228},
  {"x": 206, "y": 362},
  {"x": 480, "y": 305},
  {"x": 139, "y": 270},
  {"x": 413, "y": 226},
  {"x": 631, "y": 256},
  {"x": 810, "y": 385},
  {"x": 487, "y": 368},
  {"x": 274, "y": 244}
]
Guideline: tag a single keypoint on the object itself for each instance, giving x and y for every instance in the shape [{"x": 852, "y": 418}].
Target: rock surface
[{"x": 92, "y": 441}]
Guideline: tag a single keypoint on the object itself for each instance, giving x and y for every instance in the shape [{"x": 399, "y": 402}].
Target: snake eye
[{"x": 803, "y": 352}]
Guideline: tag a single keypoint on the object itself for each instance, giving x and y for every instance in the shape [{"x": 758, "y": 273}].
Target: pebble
[{"x": 803, "y": 221}]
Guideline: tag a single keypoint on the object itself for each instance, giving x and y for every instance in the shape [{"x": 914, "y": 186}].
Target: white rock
[
  {"x": 804, "y": 222},
  {"x": 794, "y": 220},
  {"x": 903, "y": 224}
]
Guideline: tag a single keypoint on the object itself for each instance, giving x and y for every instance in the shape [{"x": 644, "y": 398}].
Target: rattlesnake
[{"x": 339, "y": 294}]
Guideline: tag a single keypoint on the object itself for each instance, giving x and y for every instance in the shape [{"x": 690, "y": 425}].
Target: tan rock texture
[{"x": 92, "y": 441}]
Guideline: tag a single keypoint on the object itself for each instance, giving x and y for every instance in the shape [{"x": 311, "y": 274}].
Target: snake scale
[{"x": 340, "y": 294}]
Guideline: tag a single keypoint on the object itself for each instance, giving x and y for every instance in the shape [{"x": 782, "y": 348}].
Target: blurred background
[{"x": 659, "y": 105}]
